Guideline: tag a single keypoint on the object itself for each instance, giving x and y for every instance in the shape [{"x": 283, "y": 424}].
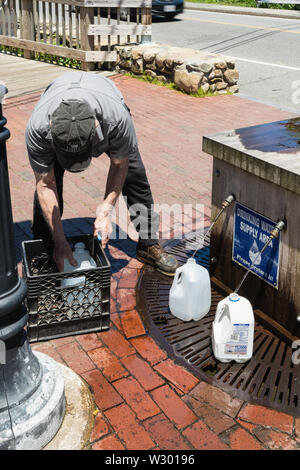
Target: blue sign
[{"x": 251, "y": 232}]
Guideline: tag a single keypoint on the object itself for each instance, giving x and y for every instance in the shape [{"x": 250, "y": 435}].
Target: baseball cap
[{"x": 72, "y": 130}]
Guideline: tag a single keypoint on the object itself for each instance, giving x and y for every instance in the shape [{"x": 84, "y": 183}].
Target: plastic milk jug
[
  {"x": 233, "y": 329},
  {"x": 190, "y": 293},
  {"x": 84, "y": 261}
]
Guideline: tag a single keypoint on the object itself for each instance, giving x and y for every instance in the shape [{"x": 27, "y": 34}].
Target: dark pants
[{"x": 137, "y": 191}]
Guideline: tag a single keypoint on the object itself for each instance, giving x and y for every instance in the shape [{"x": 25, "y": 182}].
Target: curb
[
  {"x": 78, "y": 421},
  {"x": 266, "y": 12}
]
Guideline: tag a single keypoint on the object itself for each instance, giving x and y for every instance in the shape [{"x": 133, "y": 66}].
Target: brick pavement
[{"x": 144, "y": 400}]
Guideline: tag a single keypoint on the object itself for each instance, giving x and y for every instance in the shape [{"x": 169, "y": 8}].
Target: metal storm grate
[{"x": 269, "y": 378}]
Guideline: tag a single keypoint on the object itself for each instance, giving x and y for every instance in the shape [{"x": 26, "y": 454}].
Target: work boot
[{"x": 156, "y": 256}]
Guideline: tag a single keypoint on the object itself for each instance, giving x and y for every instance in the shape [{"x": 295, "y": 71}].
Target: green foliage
[
  {"x": 57, "y": 60},
  {"x": 251, "y": 3},
  {"x": 12, "y": 50}
]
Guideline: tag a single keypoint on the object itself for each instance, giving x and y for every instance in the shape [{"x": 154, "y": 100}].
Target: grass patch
[
  {"x": 56, "y": 60},
  {"x": 12, "y": 50},
  {"x": 147, "y": 78},
  {"x": 251, "y": 4}
]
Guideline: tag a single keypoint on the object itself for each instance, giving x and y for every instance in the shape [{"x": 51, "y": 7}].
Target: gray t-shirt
[{"x": 115, "y": 133}]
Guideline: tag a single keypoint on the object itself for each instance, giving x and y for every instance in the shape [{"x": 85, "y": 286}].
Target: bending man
[{"x": 81, "y": 116}]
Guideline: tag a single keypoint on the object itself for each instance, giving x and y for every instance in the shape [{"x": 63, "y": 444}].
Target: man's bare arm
[
  {"x": 48, "y": 198},
  {"x": 115, "y": 181}
]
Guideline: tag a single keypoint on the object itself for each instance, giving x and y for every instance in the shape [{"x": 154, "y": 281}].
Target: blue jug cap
[{"x": 234, "y": 297}]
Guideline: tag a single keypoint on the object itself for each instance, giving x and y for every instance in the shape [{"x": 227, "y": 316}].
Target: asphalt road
[{"x": 266, "y": 50}]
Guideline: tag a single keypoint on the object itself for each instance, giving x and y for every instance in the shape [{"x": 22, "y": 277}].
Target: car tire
[
  {"x": 170, "y": 16},
  {"x": 123, "y": 14}
]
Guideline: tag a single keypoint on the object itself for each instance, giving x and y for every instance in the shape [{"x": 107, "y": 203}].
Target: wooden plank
[
  {"x": 70, "y": 28},
  {"x": 106, "y": 3},
  {"x": 41, "y": 47},
  {"x": 8, "y": 15},
  {"x": 128, "y": 22},
  {"x": 121, "y": 29},
  {"x": 67, "y": 2},
  {"x": 99, "y": 22},
  {"x": 146, "y": 20},
  {"x": 50, "y": 22},
  {"x": 2, "y": 21},
  {"x": 32, "y": 32},
  {"x": 20, "y": 17},
  {"x": 117, "y": 3},
  {"x": 27, "y": 15},
  {"x": 138, "y": 21},
  {"x": 100, "y": 56},
  {"x": 14, "y": 19},
  {"x": 77, "y": 21},
  {"x": 37, "y": 20},
  {"x": 35, "y": 76},
  {"x": 63, "y": 15},
  {"x": 118, "y": 22},
  {"x": 87, "y": 41},
  {"x": 146, "y": 16},
  {"x": 44, "y": 23},
  {"x": 56, "y": 24},
  {"x": 108, "y": 23}
]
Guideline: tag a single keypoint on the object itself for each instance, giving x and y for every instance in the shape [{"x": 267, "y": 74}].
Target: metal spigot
[
  {"x": 278, "y": 227},
  {"x": 226, "y": 203}
]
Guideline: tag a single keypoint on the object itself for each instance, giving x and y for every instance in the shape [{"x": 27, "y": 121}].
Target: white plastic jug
[
  {"x": 233, "y": 329},
  {"x": 190, "y": 293},
  {"x": 84, "y": 261}
]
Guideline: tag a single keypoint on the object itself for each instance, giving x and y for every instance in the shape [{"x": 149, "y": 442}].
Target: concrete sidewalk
[
  {"x": 144, "y": 400},
  {"x": 268, "y": 12}
]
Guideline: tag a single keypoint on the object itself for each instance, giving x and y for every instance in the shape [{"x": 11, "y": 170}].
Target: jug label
[{"x": 238, "y": 341}]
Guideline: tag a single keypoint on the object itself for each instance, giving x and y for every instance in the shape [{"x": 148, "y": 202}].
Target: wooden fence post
[
  {"x": 87, "y": 42},
  {"x": 146, "y": 20},
  {"x": 27, "y": 25}
]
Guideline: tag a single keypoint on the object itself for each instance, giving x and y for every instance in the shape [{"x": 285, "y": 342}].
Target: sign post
[{"x": 32, "y": 402}]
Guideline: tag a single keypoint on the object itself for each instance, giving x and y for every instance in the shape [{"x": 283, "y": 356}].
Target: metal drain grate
[{"x": 269, "y": 378}]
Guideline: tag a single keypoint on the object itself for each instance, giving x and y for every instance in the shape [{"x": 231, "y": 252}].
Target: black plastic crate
[{"x": 56, "y": 311}]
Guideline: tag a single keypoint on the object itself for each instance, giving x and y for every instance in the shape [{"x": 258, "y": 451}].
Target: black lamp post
[{"x": 31, "y": 388}]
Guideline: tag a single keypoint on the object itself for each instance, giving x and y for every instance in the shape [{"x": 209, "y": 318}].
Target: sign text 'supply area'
[{"x": 251, "y": 232}]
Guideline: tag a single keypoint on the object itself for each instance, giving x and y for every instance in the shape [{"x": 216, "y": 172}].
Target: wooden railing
[{"x": 84, "y": 30}]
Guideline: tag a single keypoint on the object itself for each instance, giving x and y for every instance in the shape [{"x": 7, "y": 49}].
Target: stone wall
[{"x": 188, "y": 69}]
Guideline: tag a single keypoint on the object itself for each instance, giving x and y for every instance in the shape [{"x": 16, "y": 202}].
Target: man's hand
[
  {"x": 62, "y": 251},
  {"x": 103, "y": 223}
]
